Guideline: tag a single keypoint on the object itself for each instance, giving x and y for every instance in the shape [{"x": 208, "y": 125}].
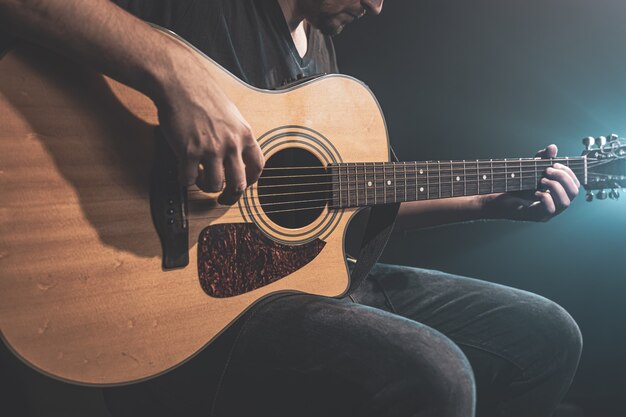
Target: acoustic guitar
[{"x": 112, "y": 272}]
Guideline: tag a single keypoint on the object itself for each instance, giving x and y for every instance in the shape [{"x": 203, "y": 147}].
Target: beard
[
  {"x": 326, "y": 16},
  {"x": 328, "y": 26}
]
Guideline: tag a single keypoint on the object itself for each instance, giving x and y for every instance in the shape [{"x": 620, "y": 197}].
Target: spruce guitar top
[{"x": 111, "y": 272}]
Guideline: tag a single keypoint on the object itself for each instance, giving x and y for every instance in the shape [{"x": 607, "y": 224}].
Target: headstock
[{"x": 606, "y": 166}]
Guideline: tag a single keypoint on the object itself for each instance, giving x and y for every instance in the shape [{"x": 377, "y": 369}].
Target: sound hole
[{"x": 294, "y": 188}]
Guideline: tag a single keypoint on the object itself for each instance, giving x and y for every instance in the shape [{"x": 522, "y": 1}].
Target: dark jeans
[{"x": 408, "y": 342}]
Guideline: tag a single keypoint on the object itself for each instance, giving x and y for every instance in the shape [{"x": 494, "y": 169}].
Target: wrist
[{"x": 489, "y": 208}]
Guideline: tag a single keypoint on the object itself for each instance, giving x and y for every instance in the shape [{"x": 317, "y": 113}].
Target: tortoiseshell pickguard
[{"x": 234, "y": 259}]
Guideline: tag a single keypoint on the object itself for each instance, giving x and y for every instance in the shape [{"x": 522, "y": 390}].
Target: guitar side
[{"x": 83, "y": 295}]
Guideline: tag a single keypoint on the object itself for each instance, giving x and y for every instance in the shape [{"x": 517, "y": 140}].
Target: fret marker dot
[
  {"x": 421, "y": 171},
  {"x": 513, "y": 175},
  {"x": 388, "y": 182},
  {"x": 458, "y": 178},
  {"x": 421, "y": 189},
  {"x": 484, "y": 177},
  {"x": 369, "y": 183}
]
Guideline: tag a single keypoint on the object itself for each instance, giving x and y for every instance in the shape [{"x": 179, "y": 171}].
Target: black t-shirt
[{"x": 249, "y": 38}]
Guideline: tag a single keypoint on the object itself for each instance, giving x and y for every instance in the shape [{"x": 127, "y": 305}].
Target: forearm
[
  {"x": 98, "y": 33},
  {"x": 421, "y": 214}
]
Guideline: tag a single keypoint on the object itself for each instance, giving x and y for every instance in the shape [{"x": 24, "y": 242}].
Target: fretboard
[{"x": 367, "y": 184}]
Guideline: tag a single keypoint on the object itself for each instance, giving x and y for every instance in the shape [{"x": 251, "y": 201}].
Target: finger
[
  {"x": 254, "y": 161},
  {"x": 563, "y": 178},
  {"x": 557, "y": 193},
  {"x": 211, "y": 176},
  {"x": 547, "y": 203},
  {"x": 235, "y": 179},
  {"x": 189, "y": 171},
  {"x": 569, "y": 172}
]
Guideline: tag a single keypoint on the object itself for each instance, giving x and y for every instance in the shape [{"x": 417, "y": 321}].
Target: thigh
[
  {"x": 309, "y": 356},
  {"x": 513, "y": 339},
  {"x": 505, "y": 321},
  {"x": 297, "y": 354}
]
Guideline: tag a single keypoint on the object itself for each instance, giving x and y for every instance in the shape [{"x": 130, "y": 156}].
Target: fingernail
[{"x": 549, "y": 170}]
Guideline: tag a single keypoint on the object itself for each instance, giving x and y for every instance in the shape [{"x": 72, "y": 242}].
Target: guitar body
[{"x": 84, "y": 295}]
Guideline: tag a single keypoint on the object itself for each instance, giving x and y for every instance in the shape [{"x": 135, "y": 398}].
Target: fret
[
  {"x": 491, "y": 164},
  {"x": 439, "y": 177},
  {"x": 356, "y": 184},
  {"x": 416, "y": 174},
  {"x": 478, "y": 176},
  {"x": 347, "y": 183},
  {"x": 365, "y": 183},
  {"x": 536, "y": 174},
  {"x": 521, "y": 176},
  {"x": 427, "y": 181},
  {"x": 464, "y": 178},
  {"x": 395, "y": 184},
  {"x": 451, "y": 179},
  {"x": 340, "y": 188},
  {"x": 506, "y": 175},
  {"x": 375, "y": 185},
  {"x": 406, "y": 196},
  {"x": 384, "y": 184}
]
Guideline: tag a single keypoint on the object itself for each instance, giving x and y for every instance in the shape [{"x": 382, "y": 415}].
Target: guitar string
[
  {"x": 352, "y": 188},
  {"x": 441, "y": 174},
  {"x": 466, "y": 162},
  {"x": 265, "y": 213},
  {"x": 399, "y": 182},
  {"x": 444, "y": 169},
  {"x": 389, "y": 165}
]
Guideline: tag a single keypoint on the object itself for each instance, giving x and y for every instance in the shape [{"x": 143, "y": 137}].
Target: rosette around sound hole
[{"x": 294, "y": 188}]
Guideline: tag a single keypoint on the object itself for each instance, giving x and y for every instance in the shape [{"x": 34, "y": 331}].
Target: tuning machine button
[
  {"x": 601, "y": 141},
  {"x": 589, "y": 142},
  {"x": 589, "y": 196},
  {"x": 614, "y": 195},
  {"x": 601, "y": 195},
  {"x": 613, "y": 137}
]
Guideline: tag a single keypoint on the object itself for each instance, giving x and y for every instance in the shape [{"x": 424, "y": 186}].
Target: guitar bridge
[{"x": 168, "y": 206}]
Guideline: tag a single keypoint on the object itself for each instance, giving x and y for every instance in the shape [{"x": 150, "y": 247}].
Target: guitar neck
[{"x": 368, "y": 184}]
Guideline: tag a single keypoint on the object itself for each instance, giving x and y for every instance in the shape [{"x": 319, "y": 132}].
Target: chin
[{"x": 330, "y": 27}]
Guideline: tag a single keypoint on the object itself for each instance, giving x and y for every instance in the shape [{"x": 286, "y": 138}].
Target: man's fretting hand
[
  {"x": 214, "y": 145},
  {"x": 557, "y": 189}
]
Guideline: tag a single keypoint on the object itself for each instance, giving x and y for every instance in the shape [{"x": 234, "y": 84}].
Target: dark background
[{"x": 465, "y": 79}]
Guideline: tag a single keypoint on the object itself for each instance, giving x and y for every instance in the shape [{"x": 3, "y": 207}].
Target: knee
[
  {"x": 437, "y": 377},
  {"x": 558, "y": 332}
]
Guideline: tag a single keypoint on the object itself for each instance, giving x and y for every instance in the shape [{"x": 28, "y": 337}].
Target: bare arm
[{"x": 206, "y": 131}]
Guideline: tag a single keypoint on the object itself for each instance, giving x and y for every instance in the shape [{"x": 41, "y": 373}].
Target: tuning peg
[
  {"x": 613, "y": 137},
  {"x": 589, "y": 142},
  {"x": 614, "y": 195},
  {"x": 601, "y": 195},
  {"x": 589, "y": 196},
  {"x": 601, "y": 141}
]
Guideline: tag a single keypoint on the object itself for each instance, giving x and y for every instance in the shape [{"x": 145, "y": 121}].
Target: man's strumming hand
[{"x": 215, "y": 146}]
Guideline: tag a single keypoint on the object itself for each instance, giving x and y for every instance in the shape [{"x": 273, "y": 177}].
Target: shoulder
[{"x": 168, "y": 12}]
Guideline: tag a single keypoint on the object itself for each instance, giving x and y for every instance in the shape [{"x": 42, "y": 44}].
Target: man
[{"x": 408, "y": 342}]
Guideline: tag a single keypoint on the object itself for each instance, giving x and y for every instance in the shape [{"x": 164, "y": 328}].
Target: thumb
[{"x": 549, "y": 152}]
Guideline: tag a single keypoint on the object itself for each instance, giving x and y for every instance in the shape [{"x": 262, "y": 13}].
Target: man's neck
[
  {"x": 293, "y": 15},
  {"x": 295, "y": 23}
]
